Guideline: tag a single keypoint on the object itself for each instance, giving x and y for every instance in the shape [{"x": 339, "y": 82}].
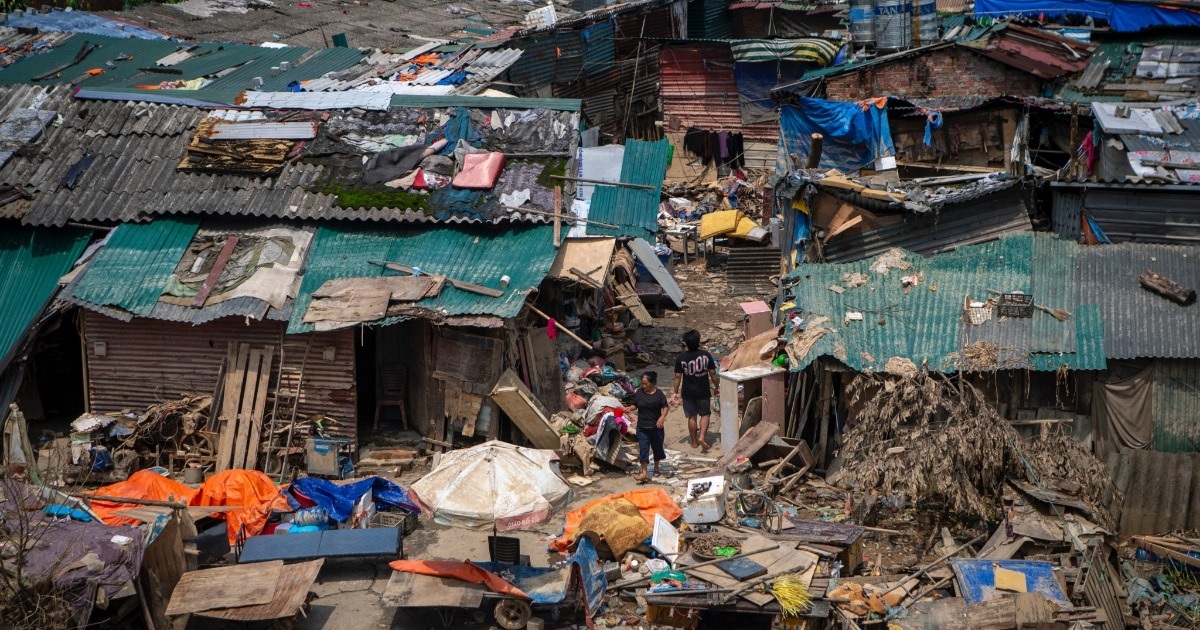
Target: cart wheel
[
  {"x": 197, "y": 444},
  {"x": 513, "y": 614}
]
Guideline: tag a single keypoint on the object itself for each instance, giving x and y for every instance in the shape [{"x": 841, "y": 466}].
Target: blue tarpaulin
[
  {"x": 339, "y": 500},
  {"x": 854, "y": 133},
  {"x": 549, "y": 585},
  {"x": 978, "y": 584},
  {"x": 1124, "y": 17}
]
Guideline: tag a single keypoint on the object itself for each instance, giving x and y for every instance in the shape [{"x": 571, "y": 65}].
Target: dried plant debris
[{"x": 931, "y": 436}]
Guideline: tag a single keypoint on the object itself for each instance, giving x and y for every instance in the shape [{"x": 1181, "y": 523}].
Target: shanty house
[{"x": 270, "y": 227}]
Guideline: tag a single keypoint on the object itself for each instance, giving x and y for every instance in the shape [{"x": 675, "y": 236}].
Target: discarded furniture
[
  {"x": 332, "y": 543},
  {"x": 772, "y": 378},
  {"x": 392, "y": 391},
  {"x": 255, "y": 592},
  {"x": 756, "y": 319}
]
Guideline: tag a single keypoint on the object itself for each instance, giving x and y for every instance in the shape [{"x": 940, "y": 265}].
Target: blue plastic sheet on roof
[
  {"x": 1125, "y": 17},
  {"x": 855, "y": 134},
  {"x": 754, "y": 84},
  {"x": 339, "y": 500}
]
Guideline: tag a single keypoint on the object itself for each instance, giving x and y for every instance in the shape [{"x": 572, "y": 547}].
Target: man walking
[{"x": 694, "y": 371}]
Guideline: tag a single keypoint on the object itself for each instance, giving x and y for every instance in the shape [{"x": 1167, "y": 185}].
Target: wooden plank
[
  {"x": 231, "y": 402},
  {"x": 748, "y": 444},
  {"x": 225, "y": 587},
  {"x": 163, "y": 564},
  {"x": 360, "y": 305},
  {"x": 525, "y": 411},
  {"x": 260, "y": 409},
  {"x": 243, "y": 415},
  {"x": 411, "y": 590},
  {"x": 215, "y": 272},
  {"x": 628, "y": 296},
  {"x": 557, "y": 216},
  {"x": 290, "y": 594}
]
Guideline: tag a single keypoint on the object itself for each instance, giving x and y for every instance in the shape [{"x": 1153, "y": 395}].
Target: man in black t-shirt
[{"x": 694, "y": 371}]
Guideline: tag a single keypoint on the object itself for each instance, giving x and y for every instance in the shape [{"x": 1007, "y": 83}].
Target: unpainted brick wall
[{"x": 946, "y": 72}]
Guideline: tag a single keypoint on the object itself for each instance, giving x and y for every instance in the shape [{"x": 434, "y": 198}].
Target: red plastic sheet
[{"x": 480, "y": 171}]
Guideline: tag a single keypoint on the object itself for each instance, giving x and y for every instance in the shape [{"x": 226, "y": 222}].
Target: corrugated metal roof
[
  {"x": 523, "y": 254},
  {"x": 709, "y": 19},
  {"x": 1038, "y": 52},
  {"x": 1176, "y": 405},
  {"x": 635, "y": 210},
  {"x": 599, "y": 48},
  {"x": 1143, "y": 212},
  {"x": 698, "y": 88},
  {"x": 31, "y": 263},
  {"x": 132, "y": 269},
  {"x": 1054, "y": 284},
  {"x": 973, "y": 220},
  {"x": 536, "y": 67},
  {"x": 422, "y": 101},
  {"x": 137, "y": 148},
  {"x": 925, "y": 323},
  {"x": 17, "y": 45},
  {"x": 1157, "y": 491},
  {"x": 1137, "y": 322},
  {"x": 316, "y": 100},
  {"x": 568, "y": 66},
  {"x": 143, "y": 52}
]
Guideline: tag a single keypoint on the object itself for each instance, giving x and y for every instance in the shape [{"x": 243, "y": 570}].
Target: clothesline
[{"x": 722, "y": 147}]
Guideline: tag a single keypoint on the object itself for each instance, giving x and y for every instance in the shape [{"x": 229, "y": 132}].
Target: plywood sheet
[
  {"x": 225, "y": 587},
  {"x": 523, "y": 409},
  {"x": 410, "y": 590},
  {"x": 290, "y": 594},
  {"x": 781, "y": 560},
  {"x": 584, "y": 254},
  {"x": 399, "y": 288}
]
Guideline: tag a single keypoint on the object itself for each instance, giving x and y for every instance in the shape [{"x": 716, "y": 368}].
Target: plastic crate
[
  {"x": 405, "y": 520},
  {"x": 1015, "y": 305}
]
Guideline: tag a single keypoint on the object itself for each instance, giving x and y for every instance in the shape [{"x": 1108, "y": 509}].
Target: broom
[
  {"x": 791, "y": 593},
  {"x": 1056, "y": 313}
]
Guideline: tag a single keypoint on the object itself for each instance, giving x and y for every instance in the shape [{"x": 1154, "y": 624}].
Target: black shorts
[{"x": 693, "y": 407}]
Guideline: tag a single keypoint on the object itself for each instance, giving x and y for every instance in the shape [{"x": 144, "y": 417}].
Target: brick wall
[{"x": 951, "y": 71}]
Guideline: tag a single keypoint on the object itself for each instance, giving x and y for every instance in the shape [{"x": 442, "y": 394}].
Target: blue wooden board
[{"x": 975, "y": 579}]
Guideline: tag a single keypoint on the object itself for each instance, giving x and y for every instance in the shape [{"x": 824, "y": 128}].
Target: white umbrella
[{"x": 495, "y": 484}]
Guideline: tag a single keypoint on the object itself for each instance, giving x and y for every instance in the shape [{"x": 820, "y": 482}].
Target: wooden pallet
[{"x": 243, "y": 405}]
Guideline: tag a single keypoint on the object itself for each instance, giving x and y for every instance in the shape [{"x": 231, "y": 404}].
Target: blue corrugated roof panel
[
  {"x": 524, "y": 254},
  {"x": 134, "y": 266},
  {"x": 633, "y": 210},
  {"x": 31, "y": 262}
]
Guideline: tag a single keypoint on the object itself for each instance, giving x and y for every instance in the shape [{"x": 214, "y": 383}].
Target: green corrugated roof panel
[
  {"x": 144, "y": 51},
  {"x": 524, "y": 254},
  {"x": 925, "y": 323},
  {"x": 134, "y": 266},
  {"x": 31, "y": 262},
  {"x": 1089, "y": 350},
  {"x": 421, "y": 101},
  {"x": 321, "y": 62},
  {"x": 1053, "y": 286},
  {"x": 634, "y": 210},
  {"x": 1176, "y": 405}
]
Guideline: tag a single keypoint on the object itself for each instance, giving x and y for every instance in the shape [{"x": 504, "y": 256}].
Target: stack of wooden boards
[{"x": 243, "y": 403}]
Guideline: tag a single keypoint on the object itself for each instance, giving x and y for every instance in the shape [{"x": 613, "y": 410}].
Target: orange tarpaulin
[
  {"x": 464, "y": 571},
  {"x": 143, "y": 484},
  {"x": 649, "y": 501},
  {"x": 250, "y": 490}
]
